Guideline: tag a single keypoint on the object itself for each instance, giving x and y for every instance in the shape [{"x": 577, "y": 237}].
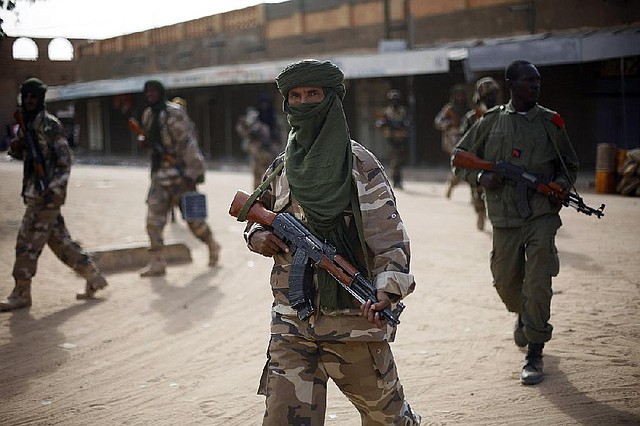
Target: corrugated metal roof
[
  {"x": 555, "y": 49},
  {"x": 411, "y": 62}
]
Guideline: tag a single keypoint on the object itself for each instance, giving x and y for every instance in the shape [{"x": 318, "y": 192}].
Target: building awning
[
  {"x": 547, "y": 49},
  {"x": 428, "y": 61}
]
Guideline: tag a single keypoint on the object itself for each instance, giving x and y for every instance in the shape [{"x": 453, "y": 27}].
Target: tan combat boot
[
  {"x": 94, "y": 283},
  {"x": 20, "y": 297},
  {"x": 214, "y": 252},
  {"x": 157, "y": 267}
]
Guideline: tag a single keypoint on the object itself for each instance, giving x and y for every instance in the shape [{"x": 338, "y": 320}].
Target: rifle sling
[
  {"x": 242, "y": 215},
  {"x": 555, "y": 146}
]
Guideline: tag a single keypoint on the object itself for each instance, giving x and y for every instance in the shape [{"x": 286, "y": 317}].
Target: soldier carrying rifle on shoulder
[{"x": 47, "y": 163}]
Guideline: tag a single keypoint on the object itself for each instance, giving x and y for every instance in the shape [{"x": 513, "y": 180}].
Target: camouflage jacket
[
  {"x": 182, "y": 155},
  {"x": 57, "y": 158},
  {"x": 448, "y": 122},
  {"x": 388, "y": 255},
  {"x": 395, "y": 123}
]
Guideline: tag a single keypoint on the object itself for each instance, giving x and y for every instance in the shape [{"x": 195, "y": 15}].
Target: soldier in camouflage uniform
[
  {"x": 395, "y": 125},
  {"x": 340, "y": 191},
  {"x": 524, "y": 257},
  {"x": 257, "y": 137},
  {"x": 448, "y": 122},
  {"x": 484, "y": 97},
  {"x": 177, "y": 166},
  {"x": 44, "y": 194}
]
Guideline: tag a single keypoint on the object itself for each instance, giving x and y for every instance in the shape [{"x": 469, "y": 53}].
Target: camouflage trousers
[
  {"x": 160, "y": 200},
  {"x": 295, "y": 378},
  {"x": 261, "y": 159},
  {"x": 40, "y": 226}
]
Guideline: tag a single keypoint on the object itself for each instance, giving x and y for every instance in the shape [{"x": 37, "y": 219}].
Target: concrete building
[{"x": 586, "y": 50}]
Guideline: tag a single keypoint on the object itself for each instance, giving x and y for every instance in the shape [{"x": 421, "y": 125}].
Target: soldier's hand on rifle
[
  {"x": 189, "y": 184},
  {"x": 267, "y": 244},
  {"x": 490, "y": 180},
  {"x": 558, "y": 192},
  {"x": 371, "y": 310}
]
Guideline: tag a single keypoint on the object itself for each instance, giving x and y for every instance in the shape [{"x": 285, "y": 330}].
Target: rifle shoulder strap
[
  {"x": 555, "y": 146},
  {"x": 357, "y": 217},
  {"x": 491, "y": 121},
  {"x": 242, "y": 216}
]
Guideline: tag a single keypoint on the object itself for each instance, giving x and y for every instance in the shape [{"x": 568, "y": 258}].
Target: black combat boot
[{"x": 532, "y": 371}]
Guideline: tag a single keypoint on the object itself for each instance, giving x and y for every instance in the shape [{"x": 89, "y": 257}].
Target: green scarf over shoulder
[{"x": 318, "y": 164}]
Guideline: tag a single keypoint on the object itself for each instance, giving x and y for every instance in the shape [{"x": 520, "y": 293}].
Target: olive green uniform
[{"x": 524, "y": 256}]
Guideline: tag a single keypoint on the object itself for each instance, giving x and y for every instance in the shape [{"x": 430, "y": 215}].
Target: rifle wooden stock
[
  {"x": 137, "y": 129},
  {"x": 38, "y": 164},
  {"x": 340, "y": 268},
  {"x": 468, "y": 160},
  {"x": 322, "y": 254},
  {"x": 257, "y": 213}
]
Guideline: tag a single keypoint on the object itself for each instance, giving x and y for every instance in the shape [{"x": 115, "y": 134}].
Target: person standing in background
[
  {"x": 256, "y": 137},
  {"x": 448, "y": 122},
  {"x": 177, "y": 166},
  {"x": 47, "y": 165},
  {"x": 395, "y": 125},
  {"x": 485, "y": 97}
]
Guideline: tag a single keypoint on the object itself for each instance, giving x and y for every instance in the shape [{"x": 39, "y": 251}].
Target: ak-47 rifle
[
  {"x": 523, "y": 180},
  {"x": 307, "y": 249},
  {"x": 137, "y": 129},
  {"x": 34, "y": 150}
]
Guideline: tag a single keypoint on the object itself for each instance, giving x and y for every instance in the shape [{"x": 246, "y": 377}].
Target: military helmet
[
  {"x": 34, "y": 86},
  {"x": 483, "y": 86},
  {"x": 394, "y": 94},
  {"x": 180, "y": 101}
]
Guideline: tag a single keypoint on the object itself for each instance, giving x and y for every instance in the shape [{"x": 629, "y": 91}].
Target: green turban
[
  {"x": 311, "y": 72},
  {"x": 318, "y": 165}
]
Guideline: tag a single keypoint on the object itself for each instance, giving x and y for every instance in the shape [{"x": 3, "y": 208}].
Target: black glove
[{"x": 490, "y": 180}]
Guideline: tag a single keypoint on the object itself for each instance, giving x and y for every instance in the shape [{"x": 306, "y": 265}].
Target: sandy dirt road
[{"x": 188, "y": 348}]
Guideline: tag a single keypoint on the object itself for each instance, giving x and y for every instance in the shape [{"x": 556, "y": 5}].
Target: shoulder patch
[
  {"x": 557, "y": 120},
  {"x": 553, "y": 117}
]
